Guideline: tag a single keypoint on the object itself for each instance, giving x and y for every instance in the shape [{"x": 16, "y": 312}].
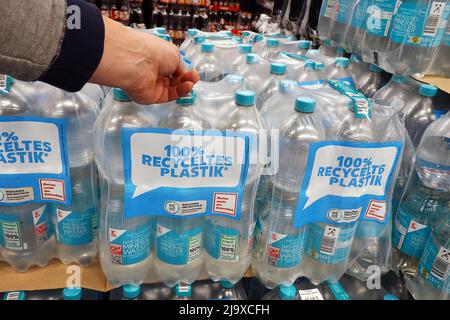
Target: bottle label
[
  {"x": 5, "y": 84},
  {"x": 34, "y": 163},
  {"x": 164, "y": 168},
  {"x": 380, "y": 15},
  {"x": 75, "y": 228},
  {"x": 359, "y": 19},
  {"x": 338, "y": 290},
  {"x": 317, "y": 84},
  {"x": 178, "y": 248},
  {"x": 344, "y": 11},
  {"x": 428, "y": 172},
  {"x": 327, "y": 8},
  {"x": 330, "y": 244},
  {"x": 12, "y": 233},
  {"x": 285, "y": 251},
  {"x": 130, "y": 246},
  {"x": 310, "y": 294},
  {"x": 409, "y": 235},
  {"x": 347, "y": 80},
  {"x": 420, "y": 24},
  {"x": 347, "y": 181},
  {"x": 434, "y": 264},
  {"x": 222, "y": 243}
]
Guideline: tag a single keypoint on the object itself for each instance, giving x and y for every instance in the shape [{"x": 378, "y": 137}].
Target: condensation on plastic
[{"x": 42, "y": 100}]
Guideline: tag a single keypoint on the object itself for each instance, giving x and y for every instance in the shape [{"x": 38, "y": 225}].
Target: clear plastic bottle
[
  {"x": 341, "y": 21},
  {"x": 370, "y": 84},
  {"x": 340, "y": 52},
  {"x": 326, "y": 18},
  {"x": 125, "y": 243},
  {"x": 327, "y": 49},
  {"x": 355, "y": 31},
  {"x": 313, "y": 76},
  {"x": 244, "y": 49},
  {"x": 303, "y": 47},
  {"x": 222, "y": 290},
  {"x": 76, "y": 225},
  {"x": 282, "y": 293},
  {"x": 340, "y": 71},
  {"x": 255, "y": 72},
  {"x": 228, "y": 242},
  {"x": 441, "y": 62},
  {"x": 207, "y": 65},
  {"x": 358, "y": 70},
  {"x": 189, "y": 41},
  {"x": 395, "y": 93},
  {"x": 278, "y": 73},
  {"x": 283, "y": 244},
  {"x": 193, "y": 52},
  {"x": 179, "y": 241},
  {"x": 272, "y": 49}
]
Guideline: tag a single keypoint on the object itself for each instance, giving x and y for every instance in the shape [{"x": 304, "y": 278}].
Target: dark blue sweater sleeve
[{"x": 81, "y": 47}]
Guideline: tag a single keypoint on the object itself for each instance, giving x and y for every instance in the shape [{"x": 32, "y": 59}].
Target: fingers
[
  {"x": 179, "y": 91},
  {"x": 191, "y": 76}
]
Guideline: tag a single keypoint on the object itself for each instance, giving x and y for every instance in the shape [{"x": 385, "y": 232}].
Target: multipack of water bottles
[{"x": 402, "y": 37}]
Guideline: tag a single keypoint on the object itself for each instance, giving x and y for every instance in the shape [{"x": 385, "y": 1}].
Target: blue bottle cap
[
  {"x": 355, "y": 58},
  {"x": 286, "y": 85},
  {"x": 246, "y": 33},
  {"x": 278, "y": 68},
  {"x": 245, "y": 98},
  {"x": 342, "y": 62},
  {"x": 327, "y": 42},
  {"x": 199, "y": 39},
  {"x": 319, "y": 65},
  {"x": 287, "y": 292},
  {"x": 258, "y": 38},
  {"x": 226, "y": 284},
  {"x": 120, "y": 95},
  {"x": 399, "y": 79},
  {"x": 165, "y": 37},
  {"x": 188, "y": 100},
  {"x": 310, "y": 65},
  {"x": 160, "y": 30},
  {"x": 183, "y": 290},
  {"x": 439, "y": 113},
  {"x": 72, "y": 293},
  {"x": 237, "y": 39},
  {"x": 192, "y": 32},
  {"x": 207, "y": 47},
  {"x": 340, "y": 50},
  {"x": 131, "y": 291},
  {"x": 14, "y": 295},
  {"x": 375, "y": 68},
  {"x": 304, "y": 44},
  {"x": 428, "y": 90},
  {"x": 390, "y": 297},
  {"x": 251, "y": 58},
  {"x": 273, "y": 43},
  {"x": 305, "y": 104},
  {"x": 245, "y": 48}
]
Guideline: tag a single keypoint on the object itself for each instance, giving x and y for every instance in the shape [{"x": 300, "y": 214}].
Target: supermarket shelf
[
  {"x": 221, "y": 8},
  {"x": 53, "y": 276},
  {"x": 441, "y": 83}
]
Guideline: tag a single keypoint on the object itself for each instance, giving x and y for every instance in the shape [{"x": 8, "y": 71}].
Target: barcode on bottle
[
  {"x": 436, "y": 11},
  {"x": 330, "y": 9},
  {"x": 13, "y": 295},
  {"x": 312, "y": 294},
  {"x": 2, "y": 81},
  {"x": 329, "y": 240},
  {"x": 441, "y": 263}
]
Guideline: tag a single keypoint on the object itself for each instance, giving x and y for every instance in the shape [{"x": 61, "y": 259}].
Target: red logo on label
[{"x": 115, "y": 249}]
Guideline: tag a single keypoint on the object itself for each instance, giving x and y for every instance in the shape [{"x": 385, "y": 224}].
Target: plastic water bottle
[
  {"x": 26, "y": 234},
  {"x": 222, "y": 290},
  {"x": 355, "y": 31},
  {"x": 434, "y": 264},
  {"x": 228, "y": 242},
  {"x": 419, "y": 113},
  {"x": 326, "y": 19},
  {"x": 341, "y": 21},
  {"x": 396, "y": 93},
  {"x": 259, "y": 43},
  {"x": 256, "y": 71},
  {"x": 272, "y": 49},
  {"x": 284, "y": 244},
  {"x": 194, "y": 50},
  {"x": 125, "y": 248},
  {"x": 155, "y": 291},
  {"x": 189, "y": 41},
  {"x": 313, "y": 76},
  {"x": 278, "y": 73},
  {"x": 327, "y": 49},
  {"x": 358, "y": 69},
  {"x": 241, "y": 59},
  {"x": 380, "y": 14},
  {"x": 340, "y": 71},
  {"x": 282, "y": 293},
  {"x": 207, "y": 64},
  {"x": 416, "y": 33},
  {"x": 426, "y": 199},
  {"x": 179, "y": 241},
  {"x": 94, "y": 92},
  {"x": 340, "y": 52},
  {"x": 441, "y": 61},
  {"x": 303, "y": 47},
  {"x": 182, "y": 292},
  {"x": 370, "y": 84},
  {"x": 76, "y": 225}
]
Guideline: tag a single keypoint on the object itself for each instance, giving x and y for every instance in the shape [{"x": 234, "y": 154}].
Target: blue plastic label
[
  {"x": 165, "y": 168},
  {"x": 317, "y": 84},
  {"x": 380, "y": 15},
  {"x": 12, "y": 229},
  {"x": 344, "y": 11},
  {"x": 408, "y": 235},
  {"x": 347, "y": 80},
  {"x": 75, "y": 228},
  {"x": 328, "y": 8},
  {"x": 222, "y": 243},
  {"x": 330, "y": 244},
  {"x": 359, "y": 19},
  {"x": 178, "y": 248},
  {"x": 338, "y": 290},
  {"x": 347, "y": 181},
  {"x": 420, "y": 24},
  {"x": 34, "y": 165},
  {"x": 130, "y": 246},
  {"x": 5, "y": 84},
  {"x": 285, "y": 251},
  {"x": 434, "y": 264}
]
